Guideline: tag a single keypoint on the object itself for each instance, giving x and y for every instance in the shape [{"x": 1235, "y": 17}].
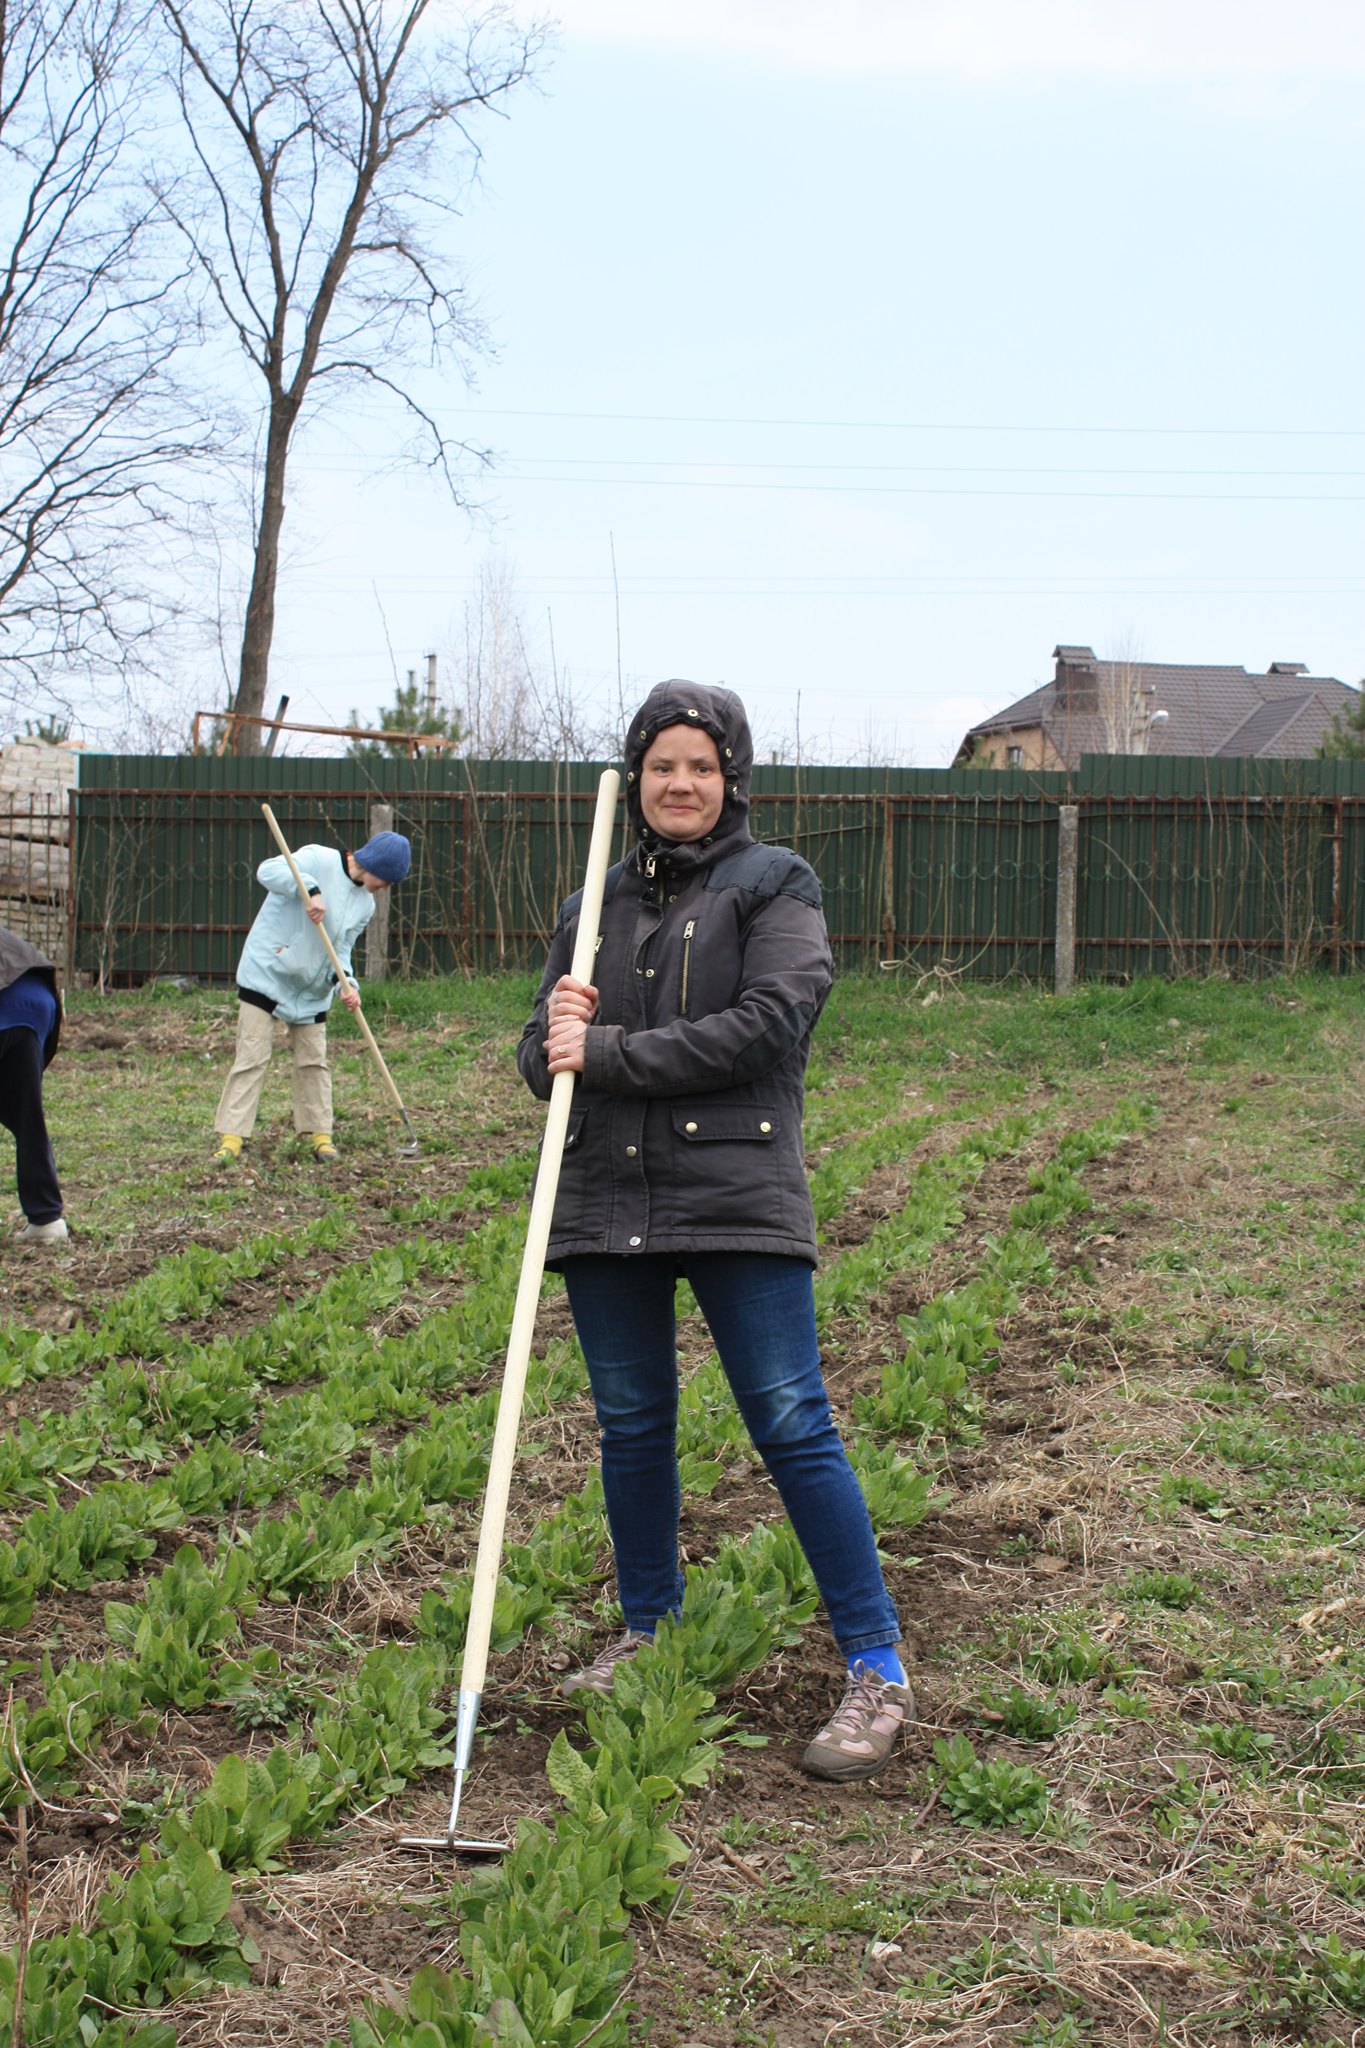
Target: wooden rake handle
[
  {"x": 273, "y": 822},
  {"x": 503, "y": 1453}
]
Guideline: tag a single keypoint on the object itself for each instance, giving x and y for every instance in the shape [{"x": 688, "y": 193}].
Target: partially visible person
[
  {"x": 30, "y": 1026},
  {"x": 284, "y": 976}
]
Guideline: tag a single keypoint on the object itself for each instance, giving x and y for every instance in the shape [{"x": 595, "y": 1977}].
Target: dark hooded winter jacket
[{"x": 712, "y": 967}]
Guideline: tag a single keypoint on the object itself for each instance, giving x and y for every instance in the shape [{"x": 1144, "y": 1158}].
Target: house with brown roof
[{"x": 1158, "y": 707}]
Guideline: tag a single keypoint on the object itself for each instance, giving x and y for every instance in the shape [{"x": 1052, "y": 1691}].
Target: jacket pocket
[
  {"x": 724, "y": 1174},
  {"x": 725, "y": 1123}
]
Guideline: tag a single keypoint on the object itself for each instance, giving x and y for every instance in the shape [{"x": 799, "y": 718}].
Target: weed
[
  {"x": 1191, "y": 1490},
  {"x": 1163, "y": 1589},
  {"x": 1125, "y": 1701},
  {"x": 1060, "y": 2033},
  {"x": 995, "y": 1794},
  {"x": 1026, "y": 1716},
  {"x": 1066, "y": 1655},
  {"x": 1236, "y": 1743}
]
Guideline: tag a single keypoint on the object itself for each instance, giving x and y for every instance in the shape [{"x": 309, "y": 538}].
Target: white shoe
[{"x": 55, "y": 1232}]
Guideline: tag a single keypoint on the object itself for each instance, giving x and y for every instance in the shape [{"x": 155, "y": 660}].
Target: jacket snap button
[
  {"x": 689, "y": 1128},
  {"x": 631, "y": 1151},
  {"x": 765, "y": 1127},
  {"x": 635, "y": 1240},
  {"x": 649, "y": 974},
  {"x": 691, "y": 713}
]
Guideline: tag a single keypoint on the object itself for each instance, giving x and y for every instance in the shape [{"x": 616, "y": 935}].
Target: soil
[{"x": 1038, "y": 1519}]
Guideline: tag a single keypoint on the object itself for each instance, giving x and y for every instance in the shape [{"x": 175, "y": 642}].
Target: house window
[{"x": 1014, "y": 757}]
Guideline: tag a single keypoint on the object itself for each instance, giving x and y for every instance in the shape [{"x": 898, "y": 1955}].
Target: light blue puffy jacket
[{"x": 284, "y": 957}]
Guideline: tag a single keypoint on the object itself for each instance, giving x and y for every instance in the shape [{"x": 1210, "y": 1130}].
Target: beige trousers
[{"x": 242, "y": 1090}]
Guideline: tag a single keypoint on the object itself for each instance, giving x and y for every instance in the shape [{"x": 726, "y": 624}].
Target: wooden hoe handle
[{"x": 503, "y": 1453}]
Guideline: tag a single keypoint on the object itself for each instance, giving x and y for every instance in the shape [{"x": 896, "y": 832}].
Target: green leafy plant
[
  {"x": 995, "y": 1794},
  {"x": 1066, "y": 1654},
  {"x": 1026, "y": 1716},
  {"x": 250, "y": 1810},
  {"x": 1163, "y": 1589},
  {"x": 1236, "y": 1742}
]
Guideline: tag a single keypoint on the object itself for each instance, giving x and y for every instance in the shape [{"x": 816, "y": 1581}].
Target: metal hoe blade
[{"x": 466, "y": 1720}]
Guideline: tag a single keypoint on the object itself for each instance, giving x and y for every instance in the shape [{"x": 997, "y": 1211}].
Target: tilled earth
[{"x": 814, "y": 1914}]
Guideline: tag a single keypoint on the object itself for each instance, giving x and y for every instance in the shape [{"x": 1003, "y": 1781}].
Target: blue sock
[{"x": 883, "y": 1660}]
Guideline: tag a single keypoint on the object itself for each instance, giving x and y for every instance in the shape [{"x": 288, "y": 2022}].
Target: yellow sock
[{"x": 228, "y": 1141}]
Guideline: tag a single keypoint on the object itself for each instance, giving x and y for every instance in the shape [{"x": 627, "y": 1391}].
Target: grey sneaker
[
  {"x": 861, "y": 1733},
  {"x": 55, "y": 1232},
  {"x": 599, "y": 1675}
]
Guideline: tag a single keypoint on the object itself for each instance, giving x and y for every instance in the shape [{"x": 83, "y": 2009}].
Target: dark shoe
[
  {"x": 600, "y": 1674},
  {"x": 860, "y": 1734}
]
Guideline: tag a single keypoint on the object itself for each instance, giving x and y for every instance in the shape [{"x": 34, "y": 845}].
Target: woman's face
[{"x": 682, "y": 790}]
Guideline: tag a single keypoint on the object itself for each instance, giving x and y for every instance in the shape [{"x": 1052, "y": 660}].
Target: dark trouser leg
[{"x": 21, "y": 1111}]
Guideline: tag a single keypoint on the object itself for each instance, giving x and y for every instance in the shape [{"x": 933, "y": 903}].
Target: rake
[
  {"x": 412, "y": 1147},
  {"x": 488, "y": 1557}
]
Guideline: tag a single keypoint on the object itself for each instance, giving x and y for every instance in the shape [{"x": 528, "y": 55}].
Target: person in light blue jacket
[{"x": 285, "y": 976}]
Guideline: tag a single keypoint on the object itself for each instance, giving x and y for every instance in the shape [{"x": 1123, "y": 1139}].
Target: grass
[{"x": 1132, "y": 1810}]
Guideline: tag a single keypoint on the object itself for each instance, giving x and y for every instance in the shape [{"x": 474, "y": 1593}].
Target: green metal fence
[{"x": 1182, "y": 865}]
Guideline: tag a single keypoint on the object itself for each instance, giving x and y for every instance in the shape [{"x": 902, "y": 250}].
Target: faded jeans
[{"x": 761, "y": 1312}]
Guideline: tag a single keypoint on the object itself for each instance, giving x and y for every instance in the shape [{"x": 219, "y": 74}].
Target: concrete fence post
[
  {"x": 1064, "y": 955},
  {"x": 377, "y": 930}
]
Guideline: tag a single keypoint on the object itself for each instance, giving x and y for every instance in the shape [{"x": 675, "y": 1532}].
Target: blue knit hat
[{"x": 387, "y": 856}]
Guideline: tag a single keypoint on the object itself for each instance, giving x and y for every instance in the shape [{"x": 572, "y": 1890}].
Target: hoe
[{"x": 489, "y": 1554}]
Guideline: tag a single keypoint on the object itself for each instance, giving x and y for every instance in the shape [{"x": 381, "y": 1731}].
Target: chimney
[{"x": 1077, "y": 677}]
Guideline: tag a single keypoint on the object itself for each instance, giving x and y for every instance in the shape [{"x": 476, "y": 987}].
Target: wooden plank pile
[{"x": 36, "y": 779}]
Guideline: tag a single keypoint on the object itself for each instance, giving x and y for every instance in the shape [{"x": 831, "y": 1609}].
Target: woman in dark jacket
[{"x": 685, "y": 1158}]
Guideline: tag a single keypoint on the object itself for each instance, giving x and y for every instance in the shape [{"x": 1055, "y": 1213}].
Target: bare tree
[
  {"x": 94, "y": 435},
  {"x": 1126, "y": 701},
  {"x": 329, "y": 137},
  {"x": 512, "y": 704}
]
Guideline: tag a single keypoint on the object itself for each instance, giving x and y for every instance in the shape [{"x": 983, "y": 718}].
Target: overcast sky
[{"x": 888, "y": 344}]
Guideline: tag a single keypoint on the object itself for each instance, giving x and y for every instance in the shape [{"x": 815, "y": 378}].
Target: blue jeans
[{"x": 761, "y": 1312}]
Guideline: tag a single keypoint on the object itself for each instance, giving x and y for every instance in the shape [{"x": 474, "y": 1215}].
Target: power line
[
  {"x": 348, "y": 466},
  {"x": 872, "y": 587},
  {"x": 678, "y": 419},
  {"x": 673, "y": 483},
  {"x": 916, "y": 468}
]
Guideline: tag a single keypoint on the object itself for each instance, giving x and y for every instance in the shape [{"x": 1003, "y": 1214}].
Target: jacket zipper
[{"x": 688, "y": 930}]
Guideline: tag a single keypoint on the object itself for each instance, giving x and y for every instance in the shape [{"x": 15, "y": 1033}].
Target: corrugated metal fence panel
[
  {"x": 1191, "y": 866},
  {"x": 1183, "y": 865}
]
